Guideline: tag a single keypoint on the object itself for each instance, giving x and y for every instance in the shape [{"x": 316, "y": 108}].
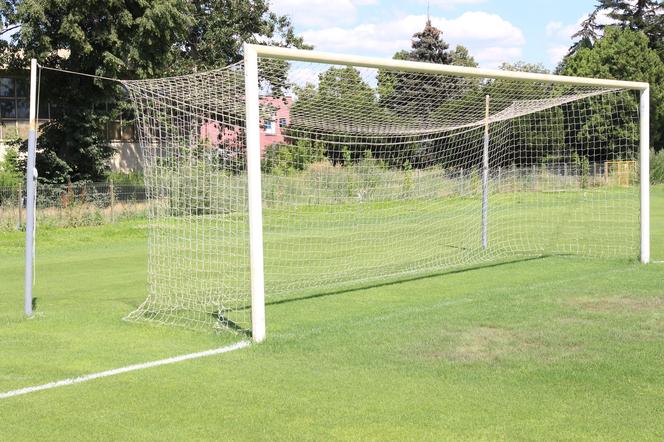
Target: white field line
[{"x": 128, "y": 368}]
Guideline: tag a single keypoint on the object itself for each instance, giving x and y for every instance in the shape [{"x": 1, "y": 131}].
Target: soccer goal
[{"x": 299, "y": 172}]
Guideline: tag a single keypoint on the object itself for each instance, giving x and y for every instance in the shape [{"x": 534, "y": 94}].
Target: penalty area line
[{"x": 128, "y": 368}]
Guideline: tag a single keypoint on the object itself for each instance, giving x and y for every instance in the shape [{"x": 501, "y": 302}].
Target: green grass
[{"x": 554, "y": 348}]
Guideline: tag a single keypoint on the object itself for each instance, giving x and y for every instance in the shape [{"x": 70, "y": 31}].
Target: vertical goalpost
[
  {"x": 252, "y": 53},
  {"x": 644, "y": 167},
  {"x": 30, "y": 200},
  {"x": 254, "y": 195},
  {"x": 485, "y": 178}
]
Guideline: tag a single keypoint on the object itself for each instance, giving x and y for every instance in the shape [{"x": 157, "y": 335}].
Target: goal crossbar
[{"x": 432, "y": 68}]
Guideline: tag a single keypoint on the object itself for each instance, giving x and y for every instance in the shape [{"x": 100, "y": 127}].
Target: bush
[
  {"x": 128, "y": 178},
  {"x": 657, "y": 167},
  {"x": 10, "y": 169},
  {"x": 284, "y": 159}
]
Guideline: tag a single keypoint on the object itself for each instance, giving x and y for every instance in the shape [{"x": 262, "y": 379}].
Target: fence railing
[
  {"x": 75, "y": 204},
  {"x": 82, "y": 204}
]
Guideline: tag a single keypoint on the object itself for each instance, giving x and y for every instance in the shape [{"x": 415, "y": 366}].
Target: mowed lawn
[{"x": 540, "y": 348}]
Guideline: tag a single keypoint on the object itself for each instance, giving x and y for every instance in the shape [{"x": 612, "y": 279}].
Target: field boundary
[{"x": 126, "y": 369}]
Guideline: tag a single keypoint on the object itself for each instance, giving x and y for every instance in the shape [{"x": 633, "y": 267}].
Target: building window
[
  {"x": 269, "y": 127},
  {"x": 14, "y": 107},
  {"x": 282, "y": 122}
]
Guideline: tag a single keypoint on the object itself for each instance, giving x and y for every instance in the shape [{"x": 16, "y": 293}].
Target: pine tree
[
  {"x": 587, "y": 35},
  {"x": 413, "y": 94},
  {"x": 428, "y": 46}
]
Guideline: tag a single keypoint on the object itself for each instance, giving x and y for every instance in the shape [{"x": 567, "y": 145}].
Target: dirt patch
[
  {"x": 479, "y": 344},
  {"x": 490, "y": 344},
  {"x": 619, "y": 304}
]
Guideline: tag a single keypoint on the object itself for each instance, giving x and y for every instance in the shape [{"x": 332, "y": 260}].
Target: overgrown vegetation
[
  {"x": 10, "y": 169},
  {"x": 657, "y": 167},
  {"x": 126, "y": 178}
]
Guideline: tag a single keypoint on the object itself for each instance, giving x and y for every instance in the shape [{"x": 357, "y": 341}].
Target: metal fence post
[
  {"x": 112, "y": 190},
  {"x": 19, "y": 207}
]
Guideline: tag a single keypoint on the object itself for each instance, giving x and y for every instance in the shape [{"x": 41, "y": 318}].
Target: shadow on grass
[
  {"x": 225, "y": 322},
  {"x": 401, "y": 281}
]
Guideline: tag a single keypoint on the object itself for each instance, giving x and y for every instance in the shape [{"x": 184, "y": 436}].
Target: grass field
[{"x": 554, "y": 348}]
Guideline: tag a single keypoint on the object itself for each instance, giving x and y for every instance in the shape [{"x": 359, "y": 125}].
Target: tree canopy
[
  {"x": 121, "y": 39},
  {"x": 637, "y": 15},
  {"x": 614, "y": 56},
  {"x": 407, "y": 93}
]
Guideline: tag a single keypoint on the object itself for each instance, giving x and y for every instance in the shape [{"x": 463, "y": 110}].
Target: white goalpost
[{"x": 294, "y": 173}]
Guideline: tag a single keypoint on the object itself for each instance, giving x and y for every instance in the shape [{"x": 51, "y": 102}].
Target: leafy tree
[
  {"x": 614, "y": 56},
  {"x": 533, "y": 137},
  {"x": 121, "y": 39},
  {"x": 220, "y": 27},
  {"x": 342, "y": 98},
  {"x": 10, "y": 169},
  {"x": 460, "y": 56},
  {"x": 638, "y": 15},
  {"x": 109, "y": 38}
]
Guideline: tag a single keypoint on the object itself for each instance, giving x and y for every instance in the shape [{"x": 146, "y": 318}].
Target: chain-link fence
[{"x": 75, "y": 204}]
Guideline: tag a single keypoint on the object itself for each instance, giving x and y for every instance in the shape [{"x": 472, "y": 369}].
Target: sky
[{"x": 495, "y": 31}]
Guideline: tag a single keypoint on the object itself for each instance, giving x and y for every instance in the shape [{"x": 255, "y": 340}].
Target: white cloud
[
  {"x": 556, "y": 53},
  {"x": 319, "y": 13},
  {"x": 450, "y": 4},
  {"x": 494, "y": 56},
  {"x": 489, "y": 37},
  {"x": 560, "y": 35},
  {"x": 303, "y": 75},
  {"x": 556, "y": 29}
]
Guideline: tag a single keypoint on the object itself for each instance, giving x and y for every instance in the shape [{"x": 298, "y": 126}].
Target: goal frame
[
  {"x": 252, "y": 107},
  {"x": 252, "y": 128}
]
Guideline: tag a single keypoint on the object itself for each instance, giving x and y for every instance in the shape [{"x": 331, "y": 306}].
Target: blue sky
[{"x": 493, "y": 30}]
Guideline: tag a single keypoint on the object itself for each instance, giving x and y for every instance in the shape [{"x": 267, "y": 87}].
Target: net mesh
[{"x": 371, "y": 175}]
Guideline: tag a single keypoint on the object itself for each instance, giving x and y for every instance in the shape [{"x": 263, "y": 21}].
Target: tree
[
  {"x": 413, "y": 95},
  {"x": 108, "y": 38},
  {"x": 220, "y": 27},
  {"x": 341, "y": 103},
  {"x": 460, "y": 56},
  {"x": 121, "y": 39},
  {"x": 637, "y": 15},
  {"x": 587, "y": 35},
  {"x": 541, "y": 133},
  {"x": 624, "y": 54},
  {"x": 428, "y": 46}
]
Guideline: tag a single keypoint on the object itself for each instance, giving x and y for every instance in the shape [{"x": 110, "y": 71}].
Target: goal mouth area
[{"x": 297, "y": 172}]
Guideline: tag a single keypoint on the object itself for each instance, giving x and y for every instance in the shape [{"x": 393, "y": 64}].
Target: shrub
[
  {"x": 126, "y": 178},
  {"x": 284, "y": 159},
  {"x": 657, "y": 167},
  {"x": 10, "y": 169}
]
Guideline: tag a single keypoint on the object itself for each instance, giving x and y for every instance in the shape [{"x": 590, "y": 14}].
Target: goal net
[{"x": 372, "y": 174}]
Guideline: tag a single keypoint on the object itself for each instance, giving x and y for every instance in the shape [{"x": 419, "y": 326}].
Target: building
[
  {"x": 14, "y": 114},
  {"x": 276, "y": 116}
]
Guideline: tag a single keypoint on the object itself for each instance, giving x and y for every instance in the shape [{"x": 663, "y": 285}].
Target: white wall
[{"x": 128, "y": 157}]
